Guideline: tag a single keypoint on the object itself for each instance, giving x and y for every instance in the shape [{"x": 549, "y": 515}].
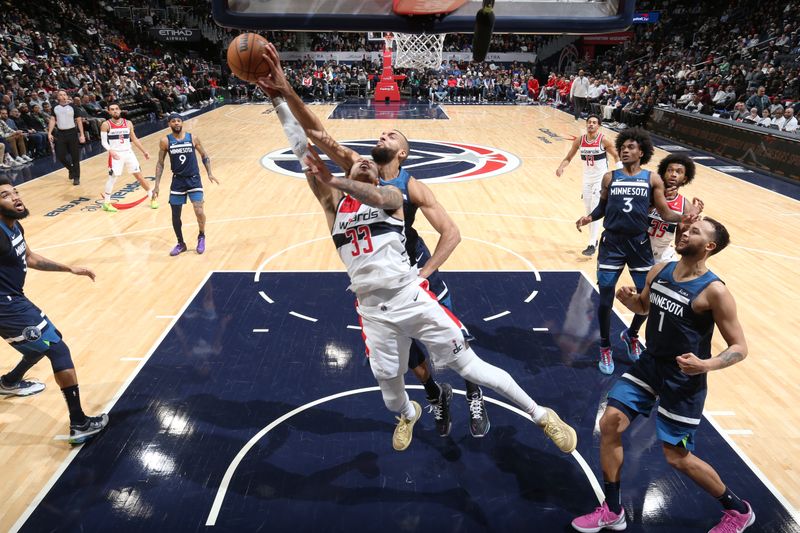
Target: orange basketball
[{"x": 244, "y": 57}]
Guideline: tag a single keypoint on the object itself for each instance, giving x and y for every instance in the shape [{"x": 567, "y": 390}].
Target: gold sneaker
[
  {"x": 404, "y": 430},
  {"x": 560, "y": 432}
]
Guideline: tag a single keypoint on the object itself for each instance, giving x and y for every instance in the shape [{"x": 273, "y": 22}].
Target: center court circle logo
[{"x": 432, "y": 161}]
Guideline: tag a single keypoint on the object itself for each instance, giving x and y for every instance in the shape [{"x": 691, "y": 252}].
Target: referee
[{"x": 69, "y": 136}]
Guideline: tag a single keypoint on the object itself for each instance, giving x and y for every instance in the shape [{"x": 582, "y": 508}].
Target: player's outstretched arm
[
  {"x": 388, "y": 198},
  {"x": 205, "y": 158},
  {"x": 276, "y": 82},
  {"x": 660, "y": 200},
  {"x": 38, "y": 262},
  {"x": 572, "y": 151},
  {"x": 163, "y": 146},
  {"x": 611, "y": 150},
  {"x": 449, "y": 236}
]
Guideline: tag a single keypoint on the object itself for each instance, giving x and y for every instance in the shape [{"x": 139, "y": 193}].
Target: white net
[{"x": 420, "y": 51}]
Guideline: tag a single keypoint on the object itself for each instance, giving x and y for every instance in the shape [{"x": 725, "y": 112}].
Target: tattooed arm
[
  {"x": 38, "y": 262},
  {"x": 718, "y": 299},
  {"x": 388, "y": 198}
]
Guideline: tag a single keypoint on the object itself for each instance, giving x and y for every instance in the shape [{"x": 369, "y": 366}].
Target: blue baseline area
[
  {"x": 213, "y": 383},
  {"x": 365, "y": 108}
]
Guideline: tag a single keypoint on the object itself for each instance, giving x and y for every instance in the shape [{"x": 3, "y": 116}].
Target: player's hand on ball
[
  {"x": 276, "y": 80},
  {"x": 82, "y": 271},
  {"x": 691, "y": 365}
]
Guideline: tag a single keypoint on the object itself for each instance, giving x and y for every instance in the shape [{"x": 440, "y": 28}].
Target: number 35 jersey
[
  {"x": 372, "y": 245},
  {"x": 662, "y": 234}
]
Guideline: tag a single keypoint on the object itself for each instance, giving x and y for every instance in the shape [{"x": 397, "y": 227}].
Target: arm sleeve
[
  {"x": 599, "y": 211},
  {"x": 104, "y": 140}
]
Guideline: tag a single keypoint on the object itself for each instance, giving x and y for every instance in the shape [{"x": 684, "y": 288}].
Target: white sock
[
  {"x": 150, "y": 193},
  {"x": 408, "y": 411},
  {"x": 538, "y": 415},
  {"x": 109, "y": 188},
  {"x": 483, "y": 374}
]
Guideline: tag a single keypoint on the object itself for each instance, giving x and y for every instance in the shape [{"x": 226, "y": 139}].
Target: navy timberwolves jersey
[
  {"x": 673, "y": 328},
  {"x": 13, "y": 266},
  {"x": 182, "y": 156},
  {"x": 409, "y": 213},
  {"x": 628, "y": 206}
]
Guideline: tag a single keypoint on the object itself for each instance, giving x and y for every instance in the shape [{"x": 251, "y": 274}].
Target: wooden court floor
[{"x": 261, "y": 219}]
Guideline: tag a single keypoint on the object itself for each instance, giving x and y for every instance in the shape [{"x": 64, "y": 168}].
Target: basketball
[{"x": 244, "y": 57}]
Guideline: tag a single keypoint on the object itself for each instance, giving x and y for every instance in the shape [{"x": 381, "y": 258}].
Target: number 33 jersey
[{"x": 372, "y": 245}]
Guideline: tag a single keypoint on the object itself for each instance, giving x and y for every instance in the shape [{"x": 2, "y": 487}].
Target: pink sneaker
[
  {"x": 734, "y": 522},
  {"x": 600, "y": 519}
]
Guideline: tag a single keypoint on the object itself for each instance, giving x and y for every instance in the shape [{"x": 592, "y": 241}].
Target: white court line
[
  {"x": 231, "y": 470},
  {"x": 541, "y": 329},
  {"x": 280, "y": 252},
  {"x": 354, "y": 327},
  {"x": 498, "y": 315},
  {"x": 131, "y": 358},
  {"x": 304, "y": 317},
  {"x": 61, "y": 437},
  {"x": 738, "y": 431},
  {"x": 759, "y": 474},
  {"x": 74, "y": 452},
  {"x": 531, "y": 297},
  {"x": 260, "y": 331},
  {"x": 267, "y": 298}
]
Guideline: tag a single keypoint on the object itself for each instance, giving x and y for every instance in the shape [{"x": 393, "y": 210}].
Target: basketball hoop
[{"x": 417, "y": 50}]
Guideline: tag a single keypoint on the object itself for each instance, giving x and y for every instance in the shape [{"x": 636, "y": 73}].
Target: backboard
[{"x": 512, "y": 16}]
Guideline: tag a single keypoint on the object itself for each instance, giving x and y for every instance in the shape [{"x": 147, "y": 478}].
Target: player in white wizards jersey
[
  {"x": 116, "y": 136},
  {"x": 676, "y": 170},
  {"x": 395, "y": 305},
  {"x": 595, "y": 149}
]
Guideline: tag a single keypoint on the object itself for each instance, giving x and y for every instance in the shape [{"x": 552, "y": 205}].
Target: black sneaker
[
  {"x": 78, "y": 434},
  {"x": 589, "y": 251},
  {"x": 478, "y": 417},
  {"x": 441, "y": 410}
]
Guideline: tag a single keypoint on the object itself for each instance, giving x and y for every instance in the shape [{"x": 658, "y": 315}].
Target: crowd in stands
[
  {"x": 714, "y": 57},
  {"x": 96, "y": 62}
]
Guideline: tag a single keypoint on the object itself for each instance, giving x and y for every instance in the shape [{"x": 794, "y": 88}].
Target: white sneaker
[
  {"x": 3, "y": 166},
  {"x": 26, "y": 158},
  {"x": 25, "y": 387},
  {"x": 20, "y": 161}
]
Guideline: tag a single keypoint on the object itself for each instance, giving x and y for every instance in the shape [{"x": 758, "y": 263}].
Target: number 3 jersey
[
  {"x": 662, "y": 234},
  {"x": 628, "y": 203},
  {"x": 372, "y": 245}
]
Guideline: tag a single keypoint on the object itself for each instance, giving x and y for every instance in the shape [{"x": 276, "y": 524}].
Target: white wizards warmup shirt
[
  {"x": 593, "y": 155},
  {"x": 371, "y": 244},
  {"x": 662, "y": 234},
  {"x": 119, "y": 136}
]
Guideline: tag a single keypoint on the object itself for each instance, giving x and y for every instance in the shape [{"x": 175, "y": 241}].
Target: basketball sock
[
  {"x": 604, "y": 316},
  {"x": 482, "y": 373},
  {"x": 18, "y": 372},
  {"x": 176, "y": 221},
  {"x": 150, "y": 193},
  {"x": 73, "y": 398},
  {"x": 408, "y": 411},
  {"x": 731, "y": 502},
  {"x": 636, "y": 323},
  {"x": 109, "y": 188},
  {"x": 538, "y": 414},
  {"x": 473, "y": 391},
  {"x": 432, "y": 390},
  {"x": 611, "y": 490}
]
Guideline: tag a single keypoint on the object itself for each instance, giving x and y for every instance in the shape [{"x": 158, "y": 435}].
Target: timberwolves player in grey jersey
[
  {"x": 183, "y": 148},
  {"x": 26, "y": 328},
  {"x": 684, "y": 300}
]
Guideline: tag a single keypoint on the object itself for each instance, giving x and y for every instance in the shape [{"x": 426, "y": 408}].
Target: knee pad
[
  {"x": 60, "y": 357},
  {"x": 608, "y": 278},
  {"x": 37, "y": 342}
]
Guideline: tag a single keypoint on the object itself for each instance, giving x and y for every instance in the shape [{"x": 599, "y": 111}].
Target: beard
[
  {"x": 687, "y": 250},
  {"x": 14, "y": 214},
  {"x": 176, "y": 130},
  {"x": 381, "y": 156}
]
